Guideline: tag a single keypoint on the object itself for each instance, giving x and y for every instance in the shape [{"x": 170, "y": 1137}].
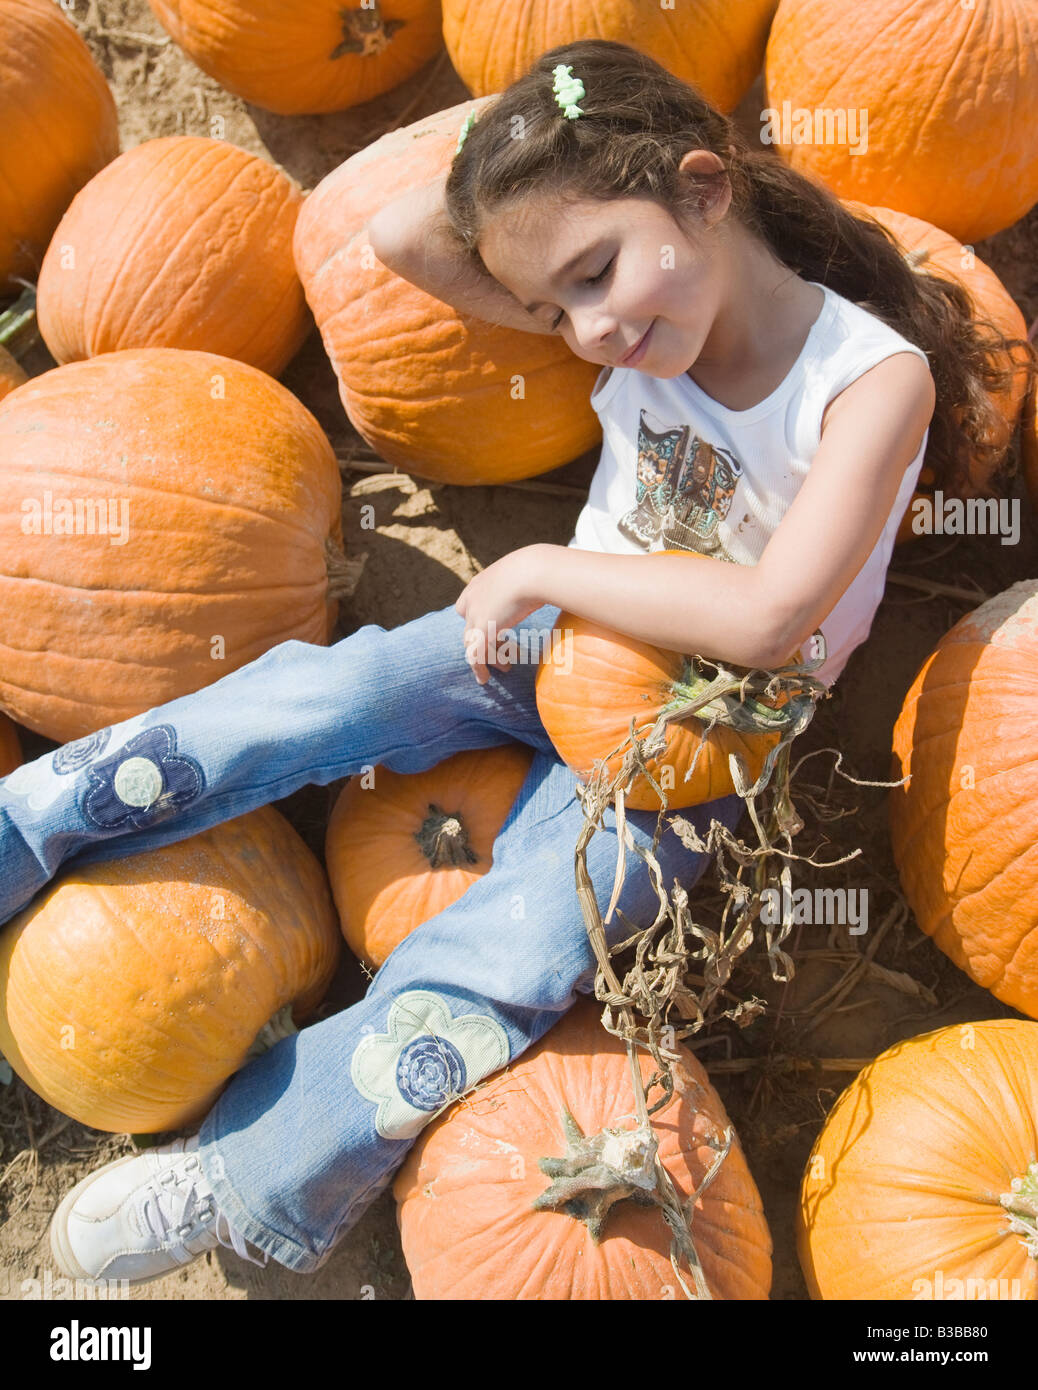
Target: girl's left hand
[{"x": 502, "y": 594}]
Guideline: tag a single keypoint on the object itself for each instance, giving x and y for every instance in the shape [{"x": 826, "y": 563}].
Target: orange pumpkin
[
  {"x": 598, "y": 680},
  {"x": 925, "y": 108},
  {"x": 466, "y": 1194},
  {"x": 310, "y": 55},
  {"x": 181, "y": 242},
  {"x": 404, "y": 847},
  {"x": 923, "y": 1164},
  {"x": 165, "y": 517},
  {"x": 964, "y": 829},
  {"x": 936, "y": 253},
  {"x": 10, "y": 748},
  {"x": 131, "y": 990},
  {"x": 715, "y": 46},
  {"x": 445, "y": 397},
  {"x": 59, "y": 127},
  {"x": 11, "y": 374}
]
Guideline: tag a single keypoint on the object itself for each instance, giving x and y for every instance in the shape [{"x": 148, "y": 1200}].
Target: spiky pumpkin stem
[
  {"x": 1021, "y": 1204},
  {"x": 597, "y": 1171},
  {"x": 343, "y": 574},
  {"x": 19, "y": 319},
  {"x": 364, "y": 32},
  {"x": 444, "y": 839}
]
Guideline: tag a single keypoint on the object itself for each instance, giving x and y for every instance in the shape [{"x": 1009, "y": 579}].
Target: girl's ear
[{"x": 709, "y": 177}]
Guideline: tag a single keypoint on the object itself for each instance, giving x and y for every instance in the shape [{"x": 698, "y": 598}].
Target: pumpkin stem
[
  {"x": 598, "y": 1171},
  {"x": 364, "y": 32},
  {"x": 444, "y": 840},
  {"x": 343, "y": 574},
  {"x": 18, "y": 321},
  {"x": 276, "y": 1028},
  {"x": 1022, "y": 1205}
]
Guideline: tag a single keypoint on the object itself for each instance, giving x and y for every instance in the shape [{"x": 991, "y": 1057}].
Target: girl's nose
[{"x": 596, "y": 330}]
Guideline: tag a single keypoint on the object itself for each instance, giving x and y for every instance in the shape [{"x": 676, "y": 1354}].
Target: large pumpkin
[
  {"x": 931, "y": 251},
  {"x": 923, "y": 1165},
  {"x": 598, "y": 680},
  {"x": 131, "y": 990},
  {"x": 713, "y": 45},
  {"x": 165, "y": 517},
  {"x": 445, "y": 397},
  {"x": 10, "y": 747},
  {"x": 403, "y": 847},
  {"x": 181, "y": 242},
  {"x": 466, "y": 1194},
  {"x": 309, "y": 55},
  {"x": 59, "y": 127},
  {"x": 928, "y": 108},
  {"x": 965, "y": 829}
]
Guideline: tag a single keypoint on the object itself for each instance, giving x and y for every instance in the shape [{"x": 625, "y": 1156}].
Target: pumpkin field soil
[{"x": 781, "y": 1074}]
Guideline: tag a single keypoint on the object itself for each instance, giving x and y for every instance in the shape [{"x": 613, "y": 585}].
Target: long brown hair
[{"x": 637, "y": 120}]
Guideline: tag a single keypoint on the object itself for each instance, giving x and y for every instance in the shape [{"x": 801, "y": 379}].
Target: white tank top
[{"x": 679, "y": 471}]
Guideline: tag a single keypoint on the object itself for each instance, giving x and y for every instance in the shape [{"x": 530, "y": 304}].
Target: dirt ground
[{"x": 429, "y": 540}]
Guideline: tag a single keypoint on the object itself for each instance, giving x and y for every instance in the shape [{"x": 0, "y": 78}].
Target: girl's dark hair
[{"x": 637, "y": 121}]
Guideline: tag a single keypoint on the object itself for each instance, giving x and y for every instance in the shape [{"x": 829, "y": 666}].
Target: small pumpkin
[
  {"x": 431, "y": 391},
  {"x": 181, "y": 242},
  {"x": 923, "y": 1183},
  {"x": 403, "y": 847},
  {"x": 165, "y": 517},
  {"x": 963, "y": 828},
  {"x": 309, "y": 56},
  {"x": 130, "y": 990},
  {"x": 10, "y": 747},
  {"x": 931, "y": 251},
  {"x": 473, "y": 1196},
  {"x": 59, "y": 128},
  {"x": 714, "y": 46},
  {"x": 598, "y": 680},
  {"x": 926, "y": 95}
]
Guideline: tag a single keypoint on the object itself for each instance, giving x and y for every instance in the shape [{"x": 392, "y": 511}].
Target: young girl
[{"x": 766, "y": 396}]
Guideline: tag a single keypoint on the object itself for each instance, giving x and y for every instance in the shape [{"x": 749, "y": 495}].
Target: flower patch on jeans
[
  {"x": 40, "y": 781},
  {"x": 424, "y": 1059},
  {"x": 143, "y": 783}
]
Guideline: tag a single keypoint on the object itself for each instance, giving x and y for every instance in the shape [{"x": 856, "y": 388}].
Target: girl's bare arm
[{"x": 410, "y": 235}]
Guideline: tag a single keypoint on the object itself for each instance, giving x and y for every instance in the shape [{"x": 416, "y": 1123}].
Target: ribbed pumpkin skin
[
  {"x": 383, "y": 883},
  {"x": 904, "y": 1179},
  {"x": 968, "y": 854},
  {"x": 11, "y": 373},
  {"x": 940, "y": 254},
  {"x": 431, "y": 391},
  {"x": 587, "y": 695},
  {"x": 10, "y": 747},
  {"x": 166, "y": 965},
  {"x": 464, "y": 1193},
  {"x": 282, "y": 56},
  {"x": 713, "y": 45},
  {"x": 59, "y": 127},
  {"x": 182, "y": 242},
  {"x": 230, "y": 502},
  {"x": 945, "y": 86}
]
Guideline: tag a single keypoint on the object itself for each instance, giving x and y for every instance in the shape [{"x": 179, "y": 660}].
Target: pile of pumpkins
[{"x": 174, "y": 283}]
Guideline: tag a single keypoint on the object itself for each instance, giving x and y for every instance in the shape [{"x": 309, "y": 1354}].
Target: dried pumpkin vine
[{"x": 680, "y": 965}]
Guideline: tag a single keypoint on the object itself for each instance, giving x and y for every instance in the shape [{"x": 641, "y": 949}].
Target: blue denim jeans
[{"x": 304, "y": 1138}]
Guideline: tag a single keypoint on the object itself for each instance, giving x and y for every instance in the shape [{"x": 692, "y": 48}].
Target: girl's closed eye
[{"x": 591, "y": 280}]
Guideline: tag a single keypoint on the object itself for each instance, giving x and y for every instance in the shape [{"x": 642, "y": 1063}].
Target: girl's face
[{"x": 605, "y": 275}]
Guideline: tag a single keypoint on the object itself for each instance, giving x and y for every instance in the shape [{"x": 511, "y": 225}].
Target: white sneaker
[{"x": 141, "y": 1217}]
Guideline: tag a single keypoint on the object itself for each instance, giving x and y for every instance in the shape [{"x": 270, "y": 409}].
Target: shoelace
[{"x": 166, "y": 1209}]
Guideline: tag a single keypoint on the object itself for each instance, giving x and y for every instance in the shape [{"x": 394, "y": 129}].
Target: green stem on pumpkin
[
  {"x": 18, "y": 318},
  {"x": 1021, "y": 1204}
]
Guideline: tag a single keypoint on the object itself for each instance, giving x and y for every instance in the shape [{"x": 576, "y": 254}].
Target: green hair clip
[
  {"x": 568, "y": 91},
  {"x": 466, "y": 126}
]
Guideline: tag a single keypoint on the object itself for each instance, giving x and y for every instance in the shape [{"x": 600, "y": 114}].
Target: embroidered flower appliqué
[
  {"x": 424, "y": 1059},
  {"x": 144, "y": 782},
  {"x": 40, "y": 782}
]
